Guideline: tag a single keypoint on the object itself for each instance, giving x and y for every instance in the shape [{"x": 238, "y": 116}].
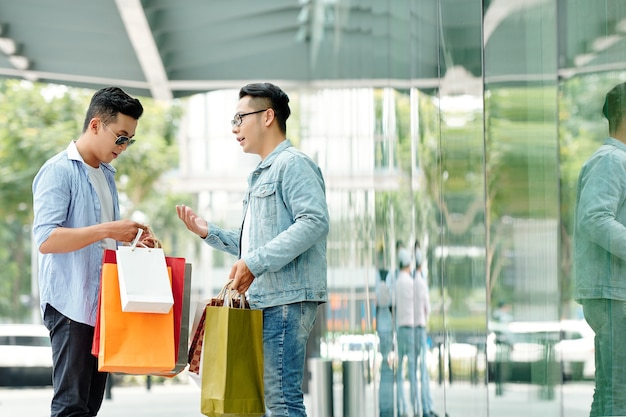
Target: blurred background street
[{"x": 184, "y": 400}]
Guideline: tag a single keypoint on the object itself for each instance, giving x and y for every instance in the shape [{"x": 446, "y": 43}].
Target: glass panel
[
  {"x": 591, "y": 63},
  {"x": 455, "y": 184},
  {"x": 522, "y": 206},
  {"x": 582, "y": 131},
  {"x": 464, "y": 131}
]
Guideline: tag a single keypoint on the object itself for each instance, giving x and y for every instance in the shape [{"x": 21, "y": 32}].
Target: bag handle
[
  {"x": 229, "y": 300},
  {"x": 229, "y": 295},
  {"x": 136, "y": 239},
  {"x": 157, "y": 242}
]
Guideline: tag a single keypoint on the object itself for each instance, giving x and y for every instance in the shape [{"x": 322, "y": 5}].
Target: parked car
[
  {"x": 358, "y": 347},
  {"x": 576, "y": 350},
  {"x": 521, "y": 351},
  {"x": 25, "y": 355}
]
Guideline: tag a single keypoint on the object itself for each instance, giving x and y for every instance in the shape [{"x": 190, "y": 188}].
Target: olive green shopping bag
[{"x": 232, "y": 360}]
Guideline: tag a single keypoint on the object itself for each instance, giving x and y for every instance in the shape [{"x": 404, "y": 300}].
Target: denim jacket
[
  {"x": 600, "y": 234},
  {"x": 288, "y": 230}
]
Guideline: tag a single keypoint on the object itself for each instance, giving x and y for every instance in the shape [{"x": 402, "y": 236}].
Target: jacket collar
[{"x": 278, "y": 149}]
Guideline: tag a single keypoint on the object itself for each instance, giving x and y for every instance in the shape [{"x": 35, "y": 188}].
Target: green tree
[{"x": 38, "y": 121}]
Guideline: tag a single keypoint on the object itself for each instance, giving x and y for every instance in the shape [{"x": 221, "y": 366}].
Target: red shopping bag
[
  {"x": 107, "y": 258},
  {"x": 181, "y": 289}
]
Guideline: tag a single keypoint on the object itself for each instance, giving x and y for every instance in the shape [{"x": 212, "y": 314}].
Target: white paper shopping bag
[{"x": 144, "y": 280}]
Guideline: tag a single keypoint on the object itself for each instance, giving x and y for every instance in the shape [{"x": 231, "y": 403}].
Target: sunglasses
[{"x": 120, "y": 140}]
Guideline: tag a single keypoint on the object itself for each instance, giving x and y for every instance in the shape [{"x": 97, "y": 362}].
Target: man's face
[
  {"x": 108, "y": 134},
  {"x": 248, "y": 126}
]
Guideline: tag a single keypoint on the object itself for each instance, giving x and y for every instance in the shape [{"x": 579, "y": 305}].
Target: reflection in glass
[
  {"x": 600, "y": 218},
  {"x": 465, "y": 133}
]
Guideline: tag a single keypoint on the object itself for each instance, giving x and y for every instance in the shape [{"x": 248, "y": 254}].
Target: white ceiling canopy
[{"x": 166, "y": 49}]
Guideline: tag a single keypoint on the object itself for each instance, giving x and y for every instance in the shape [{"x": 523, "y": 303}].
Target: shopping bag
[
  {"x": 107, "y": 258},
  {"x": 232, "y": 362},
  {"x": 197, "y": 329},
  {"x": 134, "y": 343},
  {"x": 196, "y": 337},
  {"x": 144, "y": 281},
  {"x": 181, "y": 289}
]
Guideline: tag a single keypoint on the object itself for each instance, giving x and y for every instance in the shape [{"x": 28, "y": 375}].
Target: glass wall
[{"x": 461, "y": 143}]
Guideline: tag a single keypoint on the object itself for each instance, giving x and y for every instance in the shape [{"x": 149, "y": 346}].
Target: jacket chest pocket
[{"x": 263, "y": 201}]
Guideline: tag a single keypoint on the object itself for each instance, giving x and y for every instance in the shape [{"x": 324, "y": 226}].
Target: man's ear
[
  {"x": 270, "y": 115},
  {"x": 93, "y": 125}
]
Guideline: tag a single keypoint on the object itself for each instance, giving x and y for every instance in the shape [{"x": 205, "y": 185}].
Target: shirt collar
[
  {"x": 615, "y": 142},
  {"x": 73, "y": 154}
]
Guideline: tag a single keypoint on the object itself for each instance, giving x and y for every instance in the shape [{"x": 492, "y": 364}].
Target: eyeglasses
[
  {"x": 238, "y": 119},
  {"x": 121, "y": 139}
]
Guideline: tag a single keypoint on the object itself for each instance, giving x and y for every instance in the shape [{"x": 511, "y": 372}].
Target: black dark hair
[
  {"x": 614, "y": 106},
  {"x": 108, "y": 102},
  {"x": 267, "y": 95}
]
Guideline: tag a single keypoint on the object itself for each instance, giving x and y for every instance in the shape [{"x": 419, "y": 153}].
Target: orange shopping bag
[
  {"x": 134, "y": 343},
  {"x": 181, "y": 289}
]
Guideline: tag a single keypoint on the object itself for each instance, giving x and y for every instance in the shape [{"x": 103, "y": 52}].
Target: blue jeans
[
  {"x": 607, "y": 318},
  {"x": 286, "y": 330},
  {"x": 78, "y": 386},
  {"x": 406, "y": 347},
  {"x": 385, "y": 393},
  {"x": 422, "y": 346}
]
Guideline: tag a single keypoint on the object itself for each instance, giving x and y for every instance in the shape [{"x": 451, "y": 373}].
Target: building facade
[{"x": 465, "y": 134}]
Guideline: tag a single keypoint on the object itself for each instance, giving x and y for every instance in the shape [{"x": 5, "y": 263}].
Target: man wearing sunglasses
[
  {"x": 281, "y": 245},
  {"x": 77, "y": 216}
]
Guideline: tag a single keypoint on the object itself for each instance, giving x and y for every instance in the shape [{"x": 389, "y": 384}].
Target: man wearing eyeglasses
[
  {"x": 77, "y": 216},
  {"x": 281, "y": 244}
]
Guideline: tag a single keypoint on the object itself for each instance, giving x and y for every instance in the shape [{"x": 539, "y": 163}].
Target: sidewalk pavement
[{"x": 461, "y": 400}]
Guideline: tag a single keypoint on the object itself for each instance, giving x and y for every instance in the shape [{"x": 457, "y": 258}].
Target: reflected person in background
[
  {"x": 421, "y": 311},
  {"x": 405, "y": 334},
  {"x": 600, "y": 256},
  {"x": 384, "y": 328}
]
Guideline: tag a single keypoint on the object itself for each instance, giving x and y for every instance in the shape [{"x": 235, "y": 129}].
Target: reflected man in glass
[
  {"x": 405, "y": 335},
  {"x": 384, "y": 328},
  {"x": 421, "y": 311},
  {"x": 600, "y": 256}
]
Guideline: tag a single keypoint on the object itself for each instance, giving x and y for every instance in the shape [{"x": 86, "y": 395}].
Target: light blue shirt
[
  {"x": 600, "y": 231},
  {"x": 63, "y": 196},
  {"x": 289, "y": 224}
]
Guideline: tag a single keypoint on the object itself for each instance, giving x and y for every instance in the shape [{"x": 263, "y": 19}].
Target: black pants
[{"x": 78, "y": 386}]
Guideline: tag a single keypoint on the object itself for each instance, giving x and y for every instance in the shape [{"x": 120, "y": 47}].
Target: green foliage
[
  {"x": 38, "y": 121},
  {"x": 34, "y": 124}
]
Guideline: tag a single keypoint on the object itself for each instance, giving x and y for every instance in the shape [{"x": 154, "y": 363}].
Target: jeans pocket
[{"x": 309, "y": 313}]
